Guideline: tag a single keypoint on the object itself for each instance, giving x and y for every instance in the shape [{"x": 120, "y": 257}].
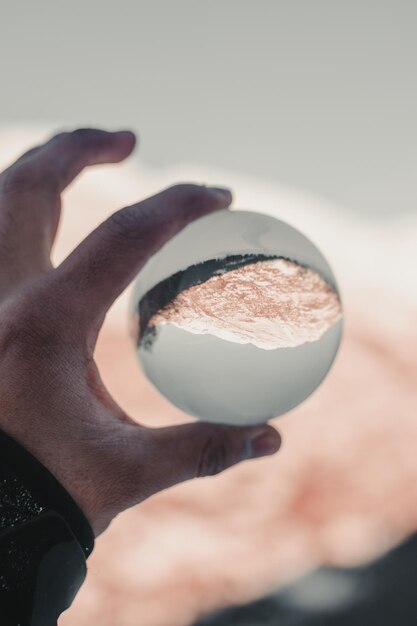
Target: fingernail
[
  {"x": 264, "y": 443},
  {"x": 223, "y": 192}
]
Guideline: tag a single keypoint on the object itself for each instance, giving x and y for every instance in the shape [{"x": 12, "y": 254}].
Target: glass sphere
[{"x": 237, "y": 318}]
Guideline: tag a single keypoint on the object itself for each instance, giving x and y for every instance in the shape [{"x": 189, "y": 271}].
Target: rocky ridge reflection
[{"x": 270, "y": 302}]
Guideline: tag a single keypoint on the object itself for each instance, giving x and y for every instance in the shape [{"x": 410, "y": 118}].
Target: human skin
[{"x": 52, "y": 398}]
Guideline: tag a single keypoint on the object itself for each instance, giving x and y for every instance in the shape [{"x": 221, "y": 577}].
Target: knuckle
[
  {"x": 190, "y": 195},
  {"x": 213, "y": 458},
  {"x": 60, "y": 141},
  {"x": 81, "y": 135},
  {"x": 86, "y": 139},
  {"x": 125, "y": 223},
  {"x": 60, "y": 137},
  {"x": 185, "y": 190}
]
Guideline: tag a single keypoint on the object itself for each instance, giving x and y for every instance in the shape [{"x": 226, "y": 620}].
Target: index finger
[{"x": 106, "y": 261}]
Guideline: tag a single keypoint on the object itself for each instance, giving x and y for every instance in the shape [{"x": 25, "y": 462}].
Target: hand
[{"x": 52, "y": 399}]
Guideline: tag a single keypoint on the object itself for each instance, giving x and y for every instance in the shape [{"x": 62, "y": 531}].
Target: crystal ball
[{"x": 237, "y": 319}]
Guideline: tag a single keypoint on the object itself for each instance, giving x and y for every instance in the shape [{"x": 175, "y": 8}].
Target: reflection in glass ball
[{"x": 237, "y": 319}]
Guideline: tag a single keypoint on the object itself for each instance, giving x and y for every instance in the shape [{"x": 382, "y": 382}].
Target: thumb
[{"x": 179, "y": 453}]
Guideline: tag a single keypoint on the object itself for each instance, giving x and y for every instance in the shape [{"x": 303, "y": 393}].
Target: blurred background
[{"x": 307, "y": 110}]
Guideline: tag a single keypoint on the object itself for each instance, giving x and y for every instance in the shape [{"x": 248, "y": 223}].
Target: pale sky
[{"x": 320, "y": 95}]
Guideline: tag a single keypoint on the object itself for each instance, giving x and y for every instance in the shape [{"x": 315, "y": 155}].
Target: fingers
[
  {"x": 102, "y": 266},
  {"x": 179, "y": 453},
  {"x": 30, "y": 195}
]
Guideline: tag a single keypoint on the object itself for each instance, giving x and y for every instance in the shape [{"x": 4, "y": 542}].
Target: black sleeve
[{"x": 45, "y": 540}]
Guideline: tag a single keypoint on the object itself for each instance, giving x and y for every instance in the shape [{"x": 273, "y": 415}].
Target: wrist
[{"x": 44, "y": 491}]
